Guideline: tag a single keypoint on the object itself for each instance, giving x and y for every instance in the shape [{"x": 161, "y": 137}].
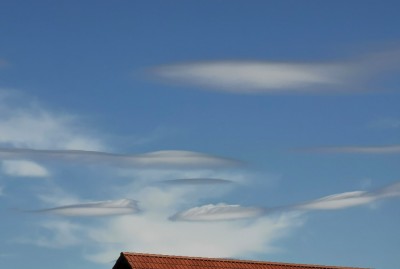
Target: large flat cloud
[
  {"x": 160, "y": 159},
  {"x": 255, "y": 77},
  {"x": 237, "y": 76}
]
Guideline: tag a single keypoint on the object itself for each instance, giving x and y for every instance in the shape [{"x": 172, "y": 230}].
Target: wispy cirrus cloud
[
  {"x": 60, "y": 234},
  {"x": 391, "y": 149},
  {"x": 23, "y": 168},
  {"x": 161, "y": 159},
  {"x": 94, "y": 209},
  {"x": 237, "y": 76},
  {"x": 26, "y": 124}
]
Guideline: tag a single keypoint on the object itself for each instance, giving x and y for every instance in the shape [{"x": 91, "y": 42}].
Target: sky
[{"x": 266, "y": 130}]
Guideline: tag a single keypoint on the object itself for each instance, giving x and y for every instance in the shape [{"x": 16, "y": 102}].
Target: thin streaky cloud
[
  {"x": 218, "y": 212},
  {"x": 196, "y": 181},
  {"x": 337, "y": 201},
  {"x": 391, "y": 149},
  {"x": 344, "y": 200},
  {"x": 94, "y": 209},
  {"x": 156, "y": 159},
  {"x": 349, "y": 199}
]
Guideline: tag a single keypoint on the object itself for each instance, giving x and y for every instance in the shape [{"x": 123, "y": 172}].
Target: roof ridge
[{"x": 239, "y": 261}]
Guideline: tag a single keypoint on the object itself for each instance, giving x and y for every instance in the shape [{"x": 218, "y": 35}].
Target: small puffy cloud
[
  {"x": 392, "y": 149},
  {"x": 257, "y": 77},
  {"x": 95, "y": 209},
  {"x": 218, "y": 212},
  {"x": 23, "y": 168}
]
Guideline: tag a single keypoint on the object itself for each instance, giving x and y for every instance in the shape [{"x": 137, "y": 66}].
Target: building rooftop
[{"x": 129, "y": 260}]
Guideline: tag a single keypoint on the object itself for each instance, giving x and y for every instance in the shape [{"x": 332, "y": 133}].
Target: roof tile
[{"x": 155, "y": 261}]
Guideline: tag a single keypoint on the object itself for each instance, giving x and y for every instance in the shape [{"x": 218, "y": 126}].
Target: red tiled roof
[{"x": 129, "y": 260}]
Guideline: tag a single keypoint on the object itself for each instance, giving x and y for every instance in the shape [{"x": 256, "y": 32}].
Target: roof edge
[{"x": 298, "y": 265}]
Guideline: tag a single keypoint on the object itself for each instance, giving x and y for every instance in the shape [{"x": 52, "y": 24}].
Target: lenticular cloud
[
  {"x": 196, "y": 181},
  {"x": 156, "y": 159},
  {"x": 332, "y": 202},
  {"x": 237, "y": 76},
  {"x": 94, "y": 209},
  {"x": 218, "y": 212}
]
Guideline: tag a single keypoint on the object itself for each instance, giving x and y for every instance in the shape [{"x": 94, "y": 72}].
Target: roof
[{"x": 129, "y": 260}]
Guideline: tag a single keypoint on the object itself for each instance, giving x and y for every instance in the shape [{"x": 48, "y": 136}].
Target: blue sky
[{"x": 246, "y": 129}]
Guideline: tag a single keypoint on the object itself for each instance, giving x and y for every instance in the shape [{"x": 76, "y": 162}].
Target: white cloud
[
  {"x": 63, "y": 234},
  {"x": 23, "y": 168},
  {"x": 27, "y": 125},
  {"x": 392, "y": 149},
  {"x": 343, "y": 200},
  {"x": 95, "y": 209},
  {"x": 196, "y": 181},
  {"x": 348, "y": 199},
  {"x": 338, "y": 201},
  {"x": 211, "y": 239},
  {"x": 152, "y": 231},
  {"x": 253, "y": 77},
  {"x": 218, "y": 212},
  {"x": 157, "y": 159},
  {"x": 283, "y": 77}
]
